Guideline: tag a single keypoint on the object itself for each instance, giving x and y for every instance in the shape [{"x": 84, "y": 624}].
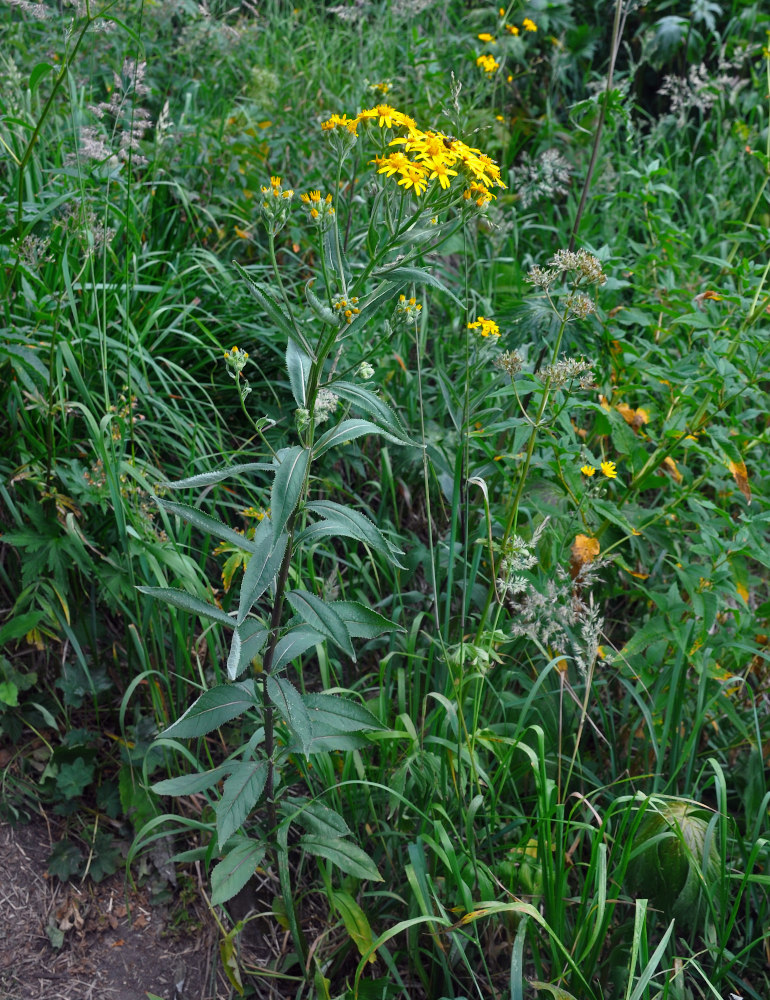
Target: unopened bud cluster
[
  {"x": 319, "y": 211},
  {"x": 406, "y": 311},
  {"x": 346, "y": 308},
  {"x": 276, "y": 201}
]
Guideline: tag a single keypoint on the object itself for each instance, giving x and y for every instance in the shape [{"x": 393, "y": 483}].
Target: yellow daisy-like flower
[
  {"x": 511, "y": 29},
  {"x": 588, "y": 470},
  {"x": 486, "y": 327},
  {"x": 528, "y": 25},
  {"x": 486, "y": 37},
  {"x": 488, "y": 63},
  {"x": 609, "y": 470}
]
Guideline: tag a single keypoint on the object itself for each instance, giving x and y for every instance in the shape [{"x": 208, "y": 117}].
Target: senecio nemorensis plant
[{"x": 432, "y": 185}]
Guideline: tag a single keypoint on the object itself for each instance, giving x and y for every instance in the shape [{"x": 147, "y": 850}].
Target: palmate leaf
[
  {"x": 235, "y": 870},
  {"x": 214, "y": 708},
  {"x": 287, "y": 485},
  {"x": 240, "y": 794},
  {"x": 321, "y": 616},
  {"x": 350, "y": 523}
]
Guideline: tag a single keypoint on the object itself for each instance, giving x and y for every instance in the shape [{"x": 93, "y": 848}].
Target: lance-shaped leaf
[
  {"x": 262, "y": 568},
  {"x": 343, "y": 853},
  {"x": 287, "y": 485},
  {"x": 355, "y": 923},
  {"x": 248, "y": 639},
  {"x": 298, "y": 366},
  {"x": 340, "y": 714},
  {"x": 321, "y": 617},
  {"x": 181, "y": 599},
  {"x": 316, "y": 817},
  {"x": 294, "y": 644},
  {"x": 289, "y": 703},
  {"x": 276, "y": 314},
  {"x": 211, "y": 525},
  {"x": 239, "y": 796},
  {"x": 366, "y": 400},
  {"x": 349, "y": 430},
  {"x": 190, "y": 784},
  {"x": 234, "y": 871},
  {"x": 322, "y": 311},
  {"x": 363, "y": 622},
  {"x": 218, "y": 475},
  {"x": 417, "y": 276},
  {"x": 341, "y": 520},
  {"x": 214, "y": 708},
  {"x": 383, "y": 294}
]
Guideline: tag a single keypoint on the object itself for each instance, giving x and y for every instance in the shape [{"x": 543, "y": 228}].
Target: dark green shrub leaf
[
  {"x": 262, "y": 568},
  {"x": 294, "y": 643},
  {"x": 181, "y": 599},
  {"x": 239, "y": 796},
  {"x": 290, "y": 704},
  {"x": 235, "y": 870},
  {"x": 340, "y": 520},
  {"x": 287, "y": 485},
  {"x": 343, "y": 853},
  {"x": 362, "y": 622},
  {"x": 320, "y": 616},
  {"x": 189, "y": 784},
  {"x": 339, "y": 714},
  {"x": 214, "y": 707}
]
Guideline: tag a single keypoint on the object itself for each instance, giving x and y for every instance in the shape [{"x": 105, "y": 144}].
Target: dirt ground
[{"x": 115, "y": 945}]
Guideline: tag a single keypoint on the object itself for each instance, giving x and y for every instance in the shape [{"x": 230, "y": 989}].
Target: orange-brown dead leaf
[
  {"x": 584, "y": 550},
  {"x": 741, "y": 477}
]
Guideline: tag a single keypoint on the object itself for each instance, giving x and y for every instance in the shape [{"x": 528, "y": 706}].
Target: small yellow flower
[
  {"x": 511, "y": 29},
  {"x": 486, "y": 37},
  {"x": 488, "y": 63},
  {"x": 588, "y": 470},
  {"x": 528, "y": 25},
  {"x": 609, "y": 470}
]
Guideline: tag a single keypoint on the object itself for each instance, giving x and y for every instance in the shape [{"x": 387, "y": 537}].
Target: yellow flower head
[
  {"x": 511, "y": 29},
  {"x": 486, "y": 327},
  {"x": 528, "y": 25},
  {"x": 486, "y": 37},
  {"x": 588, "y": 470},
  {"x": 609, "y": 470},
  {"x": 488, "y": 63}
]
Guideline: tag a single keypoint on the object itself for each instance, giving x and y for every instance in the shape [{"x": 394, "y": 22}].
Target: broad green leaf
[
  {"x": 341, "y": 520},
  {"x": 366, "y": 400},
  {"x": 298, "y": 366},
  {"x": 240, "y": 794},
  {"x": 294, "y": 644},
  {"x": 343, "y": 853},
  {"x": 340, "y": 714},
  {"x": 287, "y": 485},
  {"x": 319, "y": 615},
  {"x": 289, "y": 703},
  {"x": 262, "y": 568},
  {"x": 356, "y": 924},
  {"x": 234, "y": 871},
  {"x": 18, "y": 626},
  {"x": 362, "y": 622},
  {"x": 211, "y": 525},
  {"x": 181, "y": 599},
  {"x": 42, "y": 69},
  {"x": 214, "y": 708},
  {"x": 316, "y": 817},
  {"x": 349, "y": 430},
  {"x": 248, "y": 639},
  {"x": 218, "y": 475},
  {"x": 189, "y": 784}
]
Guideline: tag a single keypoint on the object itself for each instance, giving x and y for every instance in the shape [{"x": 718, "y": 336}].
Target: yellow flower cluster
[
  {"x": 486, "y": 327},
  {"x": 488, "y": 63},
  {"x": 527, "y": 24},
  {"x": 424, "y": 156},
  {"x": 608, "y": 469},
  {"x": 348, "y": 309}
]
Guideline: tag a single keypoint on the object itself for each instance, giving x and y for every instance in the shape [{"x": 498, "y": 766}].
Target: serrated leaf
[
  {"x": 240, "y": 794},
  {"x": 322, "y": 311},
  {"x": 415, "y": 275},
  {"x": 349, "y": 430},
  {"x": 248, "y": 639},
  {"x": 181, "y": 599},
  {"x": 262, "y": 568},
  {"x": 235, "y": 870},
  {"x": 190, "y": 784},
  {"x": 214, "y": 708},
  {"x": 363, "y": 622},
  {"x": 211, "y": 525},
  {"x": 341, "y": 520},
  {"x": 356, "y": 924},
  {"x": 366, "y": 400},
  {"x": 218, "y": 475},
  {"x": 298, "y": 366},
  {"x": 340, "y": 714},
  {"x": 287, "y": 485},
  {"x": 294, "y": 644},
  {"x": 317, "y": 818},
  {"x": 319, "y": 615},
  {"x": 343, "y": 853},
  {"x": 289, "y": 703}
]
